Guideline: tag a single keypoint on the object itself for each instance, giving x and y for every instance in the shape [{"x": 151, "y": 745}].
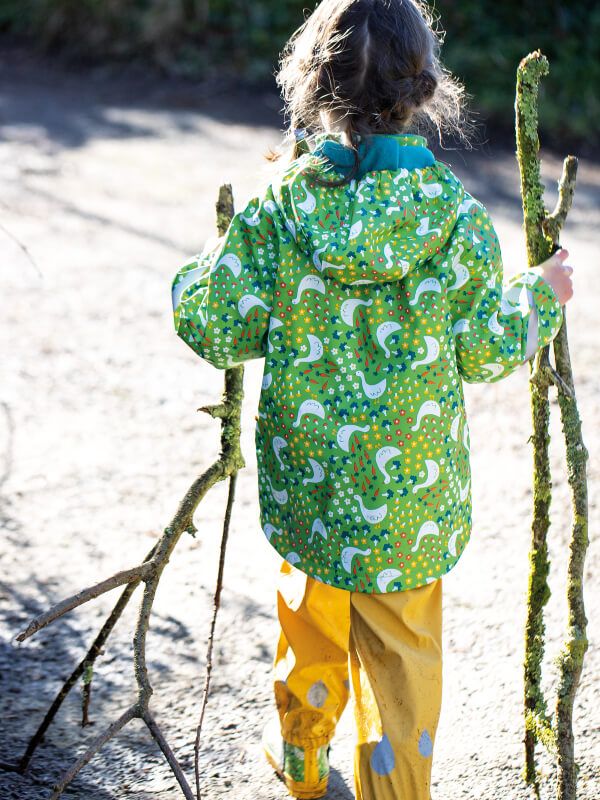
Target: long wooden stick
[
  {"x": 149, "y": 572},
  {"x": 542, "y": 232}
]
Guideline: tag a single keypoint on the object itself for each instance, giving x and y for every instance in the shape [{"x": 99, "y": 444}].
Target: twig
[
  {"x": 553, "y": 223},
  {"x": 570, "y": 660},
  {"x": 89, "y": 659},
  {"x": 86, "y": 694},
  {"x": 96, "y": 744},
  {"x": 24, "y": 249},
  {"x": 168, "y": 754},
  {"x": 209, "y": 651},
  {"x": 138, "y": 573}
]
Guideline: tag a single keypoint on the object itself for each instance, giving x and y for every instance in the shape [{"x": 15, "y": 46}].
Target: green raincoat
[{"x": 370, "y": 303}]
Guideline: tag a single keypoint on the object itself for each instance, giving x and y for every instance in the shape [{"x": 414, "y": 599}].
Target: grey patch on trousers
[{"x": 317, "y": 694}]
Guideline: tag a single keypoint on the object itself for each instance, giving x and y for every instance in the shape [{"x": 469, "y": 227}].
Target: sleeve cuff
[{"x": 546, "y": 308}]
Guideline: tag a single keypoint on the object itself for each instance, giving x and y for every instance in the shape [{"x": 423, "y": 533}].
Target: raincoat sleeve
[
  {"x": 222, "y": 297},
  {"x": 496, "y": 326}
]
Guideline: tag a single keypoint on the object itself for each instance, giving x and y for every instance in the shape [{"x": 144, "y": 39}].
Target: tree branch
[
  {"x": 542, "y": 233},
  {"x": 138, "y": 573},
  {"x": 150, "y": 571}
]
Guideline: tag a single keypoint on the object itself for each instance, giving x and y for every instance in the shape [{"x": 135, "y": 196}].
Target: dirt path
[{"x": 111, "y": 184}]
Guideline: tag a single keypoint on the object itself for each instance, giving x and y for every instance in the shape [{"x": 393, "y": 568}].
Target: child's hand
[{"x": 557, "y": 273}]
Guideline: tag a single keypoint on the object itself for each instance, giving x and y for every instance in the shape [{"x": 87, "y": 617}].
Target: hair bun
[{"x": 424, "y": 86}]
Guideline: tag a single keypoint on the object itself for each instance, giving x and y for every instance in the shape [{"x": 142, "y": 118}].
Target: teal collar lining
[{"x": 377, "y": 152}]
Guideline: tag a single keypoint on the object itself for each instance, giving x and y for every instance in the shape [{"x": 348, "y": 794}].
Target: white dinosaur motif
[
  {"x": 308, "y": 205},
  {"x": 433, "y": 351},
  {"x": 232, "y": 262},
  {"x": 309, "y": 282},
  {"x": 348, "y": 308},
  {"x": 466, "y": 205},
  {"x": 248, "y": 301},
  {"x": 269, "y": 530},
  {"x": 385, "y": 577},
  {"x": 289, "y": 224},
  {"x": 428, "y": 528},
  {"x": 454, "y": 427},
  {"x": 318, "y": 473},
  {"x": 371, "y": 515},
  {"x": 318, "y": 527},
  {"x": 389, "y": 262},
  {"x": 188, "y": 279},
  {"x": 317, "y": 258},
  {"x": 428, "y": 407},
  {"x": 494, "y": 369},
  {"x": 452, "y": 542},
  {"x": 426, "y": 285},
  {"x": 271, "y": 207},
  {"x": 278, "y": 444},
  {"x": 355, "y": 230},
  {"x": 346, "y": 432},
  {"x": 403, "y": 173},
  {"x": 252, "y": 221},
  {"x": 267, "y": 381},
  {"x": 348, "y": 554},
  {"x": 460, "y": 271},
  {"x": 280, "y": 495},
  {"x": 384, "y": 455},
  {"x": 315, "y": 350},
  {"x": 309, "y": 407},
  {"x": 425, "y": 230},
  {"x": 383, "y": 331},
  {"x": 514, "y": 299},
  {"x": 433, "y": 472},
  {"x": 494, "y": 325},
  {"x": 431, "y": 189},
  {"x": 273, "y": 324},
  {"x": 461, "y": 326},
  {"x": 372, "y": 390}
]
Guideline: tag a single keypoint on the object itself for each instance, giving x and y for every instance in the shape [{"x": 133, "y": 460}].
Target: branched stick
[
  {"x": 542, "y": 232},
  {"x": 149, "y": 572}
]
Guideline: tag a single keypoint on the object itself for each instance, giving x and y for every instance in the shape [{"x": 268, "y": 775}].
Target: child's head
[{"x": 370, "y": 66}]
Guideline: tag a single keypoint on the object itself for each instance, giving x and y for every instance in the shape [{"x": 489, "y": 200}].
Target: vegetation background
[{"x": 485, "y": 39}]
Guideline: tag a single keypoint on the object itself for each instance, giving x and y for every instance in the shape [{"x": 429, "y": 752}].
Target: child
[{"x": 371, "y": 282}]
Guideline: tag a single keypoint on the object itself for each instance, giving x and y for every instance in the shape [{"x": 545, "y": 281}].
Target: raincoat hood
[{"x": 396, "y": 214}]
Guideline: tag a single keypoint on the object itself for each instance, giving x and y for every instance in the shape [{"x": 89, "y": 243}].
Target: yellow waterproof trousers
[{"x": 389, "y": 646}]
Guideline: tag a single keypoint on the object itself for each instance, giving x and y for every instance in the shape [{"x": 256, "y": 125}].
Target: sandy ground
[{"x": 111, "y": 183}]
